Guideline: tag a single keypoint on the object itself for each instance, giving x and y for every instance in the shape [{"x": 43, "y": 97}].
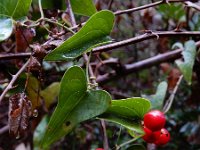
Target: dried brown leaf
[{"x": 20, "y": 110}]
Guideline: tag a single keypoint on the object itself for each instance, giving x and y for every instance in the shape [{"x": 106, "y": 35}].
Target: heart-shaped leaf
[
  {"x": 158, "y": 98},
  {"x": 186, "y": 66},
  {"x": 15, "y": 8},
  {"x": 76, "y": 104},
  {"x": 128, "y": 112},
  {"x": 95, "y": 32},
  {"x": 83, "y": 7},
  {"x": 6, "y": 26}
]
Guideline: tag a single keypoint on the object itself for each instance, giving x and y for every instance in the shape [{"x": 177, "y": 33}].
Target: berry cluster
[{"x": 154, "y": 122}]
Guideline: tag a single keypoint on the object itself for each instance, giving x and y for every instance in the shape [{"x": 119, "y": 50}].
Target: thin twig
[
  {"x": 14, "y": 78},
  {"x": 120, "y": 12},
  {"x": 169, "y": 102},
  {"x": 42, "y": 18},
  {"x": 14, "y": 55},
  {"x": 59, "y": 24}
]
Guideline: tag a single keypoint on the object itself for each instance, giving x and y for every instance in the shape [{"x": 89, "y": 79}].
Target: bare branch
[
  {"x": 143, "y": 37},
  {"x": 119, "y": 12},
  {"x": 169, "y": 102},
  {"x": 14, "y": 55},
  {"x": 14, "y": 78},
  {"x": 129, "y": 68},
  {"x": 115, "y": 45}
]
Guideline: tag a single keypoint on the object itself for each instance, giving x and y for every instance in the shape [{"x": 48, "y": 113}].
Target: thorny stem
[
  {"x": 119, "y": 12},
  {"x": 143, "y": 37},
  {"x": 14, "y": 78}
]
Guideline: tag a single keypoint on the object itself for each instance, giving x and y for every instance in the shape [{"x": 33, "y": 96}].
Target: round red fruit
[
  {"x": 99, "y": 149},
  {"x": 149, "y": 136},
  {"x": 154, "y": 120},
  {"x": 162, "y": 138}
]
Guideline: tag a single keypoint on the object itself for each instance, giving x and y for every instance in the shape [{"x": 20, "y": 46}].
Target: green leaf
[
  {"x": 50, "y": 93},
  {"x": 158, "y": 98},
  {"x": 32, "y": 90},
  {"x": 15, "y": 8},
  {"x": 134, "y": 107},
  {"x": 172, "y": 11},
  {"x": 128, "y": 112},
  {"x": 39, "y": 132},
  {"x": 129, "y": 123},
  {"x": 76, "y": 104},
  {"x": 186, "y": 66},
  {"x": 83, "y": 7},
  {"x": 93, "y": 33},
  {"x": 6, "y": 26}
]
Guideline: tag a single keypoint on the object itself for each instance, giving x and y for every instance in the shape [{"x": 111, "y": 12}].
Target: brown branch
[
  {"x": 192, "y": 5},
  {"x": 104, "y": 48},
  {"x": 120, "y": 12},
  {"x": 14, "y": 78},
  {"x": 130, "y": 68},
  {"x": 14, "y": 55},
  {"x": 143, "y": 37}
]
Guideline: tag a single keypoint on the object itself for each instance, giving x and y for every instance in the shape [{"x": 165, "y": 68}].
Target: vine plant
[{"x": 79, "y": 96}]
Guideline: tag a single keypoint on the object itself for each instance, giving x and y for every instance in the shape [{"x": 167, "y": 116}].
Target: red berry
[
  {"x": 162, "y": 138},
  {"x": 154, "y": 120},
  {"x": 149, "y": 136},
  {"x": 99, "y": 149}
]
